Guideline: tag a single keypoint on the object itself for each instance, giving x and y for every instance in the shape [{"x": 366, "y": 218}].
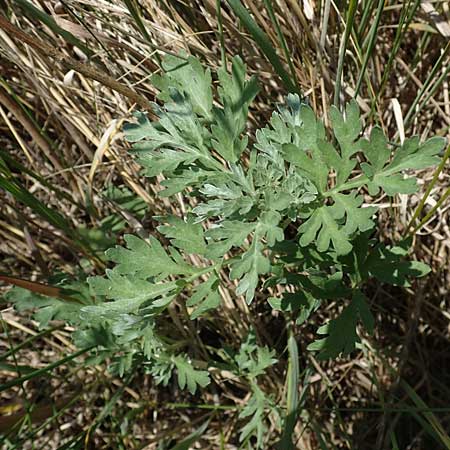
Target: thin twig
[{"x": 71, "y": 64}]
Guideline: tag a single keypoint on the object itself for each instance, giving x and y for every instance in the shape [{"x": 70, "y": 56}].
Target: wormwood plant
[{"x": 290, "y": 211}]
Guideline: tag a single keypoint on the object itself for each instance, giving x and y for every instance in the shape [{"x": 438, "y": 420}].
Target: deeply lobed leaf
[{"x": 287, "y": 212}]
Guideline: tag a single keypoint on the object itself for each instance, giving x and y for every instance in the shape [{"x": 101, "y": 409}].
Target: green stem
[
  {"x": 427, "y": 83},
  {"x": 432, "y": 211},
  {"x": 355, "y": 183},
  {"x": 263, "y": 41},
  {"x": 14, "y": 350},
  {"x": 372, "y": 38},
  {"x": 344, "y": 43},
  {"x": 429, "y": 189},
  {"x": 200, "y": 406},
  {"x": 223, "y": 56},
  {"x": 42, "y": 371},
  {"x": 282, "y": 40},
  {"x": 292, "y": 398},
  {"x": 203, "y": 272}
]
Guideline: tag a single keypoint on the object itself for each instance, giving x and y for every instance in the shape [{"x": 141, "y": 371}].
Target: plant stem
[
  {"x": 352, "y": 184},
  {"x": 263, "y": 42},
  {"x": 348, "y": 28},
  {"x": 282, "y": 40},
  {"x": 432, "y": 211},
  {"x": 371, "y": 44},
  {"x": 42, "y": 371},
  {"x": 70, "y": 63},
  {"x": 429, "y": 189},
  {"x": 223, "y": 56},
  {"x": 292, "y": 399}
]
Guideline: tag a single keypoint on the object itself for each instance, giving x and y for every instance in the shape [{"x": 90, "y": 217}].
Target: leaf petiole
[{"x": 355, "y": 183}]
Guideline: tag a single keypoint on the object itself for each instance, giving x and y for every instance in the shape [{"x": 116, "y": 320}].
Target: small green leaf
[
  {"x": 358, "y": 218},
  {"x": 143, "y": 260},
  {"x": 185, "y": 235},
  {"x": 253, "y": 360},
  {"x": 178, "y": 138},
  {"x": 230, "y": 121},
  {"x": 252, "y": 264},
  {"x": 127, "y": 293},
  {"x": 255, "y": 408},
  {"x": 205, "y": 297},
  {"x": 389, "y": 175},
  {"x": 347, "y": 129},
  {"x": 301, "y": 301},
  {"x": 313, "y": 166},
  {"x": 188, "y": 376},
  {"x": 389, "y": 266},
  {"x": 47, "y": 308},
  {"x": 228, "y": 234},
  {"x": 376, "y": 149},
  {"x": 323, "y": 226},
  {"x": 336, "y": 223},
  {"x": 188, "y": 76},
  {"x": 342, "y": 337},
  {"x": 311, "y": 131}
]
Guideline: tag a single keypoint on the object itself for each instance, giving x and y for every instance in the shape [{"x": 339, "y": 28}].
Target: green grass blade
[
  {"x": 137, "y": 18},
  {"x": 57, "y": 413},
  {"x": 223, "y": 54},
  {"x": 365, "y": 17},
  {"x": 412, "y": 112},
  {"x": 107, "y": 409},
  {"x": 371, "y": 43},
  {"x": 325, "y": 18},
  {"x": 293, "y": 377},
  {"x": 436, "y": 426},
  {"x": 430, "y": 94},
  {"x": 35, "y": 13},
  {"x": 135, "y": 13},
  {"x": 351, "y": 12},
  {"x": 10, "y": 91},
  {"x": 394, "y": 441},
  {"x": 432, "y": 211},
  {"x": 406, "y": 17},
  {"x": 282, "y": 41},
  {"x": 318, "y": 434},
  {"x": 22, "y": 195},
  {"x": 264, "y": 43},
  {"x": 14, "y": 350},
  {"x": 22, "y": 169},
  {"x": 429, "y": 188},
  {"x": 53, "y": 217},
  {"x": 19, "y": 368},
  {"x": 44, "y": 370},
  {"x": 186, "y": 443}
]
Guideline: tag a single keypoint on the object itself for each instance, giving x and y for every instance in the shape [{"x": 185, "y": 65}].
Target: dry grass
[{"x": 64, "y": 128}]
